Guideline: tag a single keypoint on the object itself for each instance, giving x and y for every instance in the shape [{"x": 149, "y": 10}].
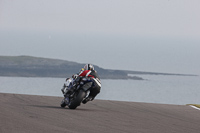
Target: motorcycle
[{"x": 75, "y": 91}]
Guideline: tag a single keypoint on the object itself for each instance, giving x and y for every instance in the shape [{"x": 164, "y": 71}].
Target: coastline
[
  {"x": 28, "y": 66},
  {"x": 32, "y": 113}
]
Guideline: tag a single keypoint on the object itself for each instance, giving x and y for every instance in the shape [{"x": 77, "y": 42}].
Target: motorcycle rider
[{"x": 89, "y": 72}]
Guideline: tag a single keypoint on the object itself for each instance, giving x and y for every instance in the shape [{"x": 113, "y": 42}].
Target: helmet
[{"x": 88, "y": 67}]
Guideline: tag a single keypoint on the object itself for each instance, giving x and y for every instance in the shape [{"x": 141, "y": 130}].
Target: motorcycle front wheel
[{"x": 63, "y": 104}]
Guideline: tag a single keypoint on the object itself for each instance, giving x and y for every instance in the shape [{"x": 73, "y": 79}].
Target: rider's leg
[{"x": 92, "y": 95}]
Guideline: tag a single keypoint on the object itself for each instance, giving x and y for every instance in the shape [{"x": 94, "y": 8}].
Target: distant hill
[{"x": 28, "y": 66}]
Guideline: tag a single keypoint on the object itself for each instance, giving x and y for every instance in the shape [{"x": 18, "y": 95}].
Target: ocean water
[{"x": 179, "y": 90}]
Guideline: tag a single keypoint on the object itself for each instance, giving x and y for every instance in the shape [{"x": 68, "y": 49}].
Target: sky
[{"x": 140, "y": 35}]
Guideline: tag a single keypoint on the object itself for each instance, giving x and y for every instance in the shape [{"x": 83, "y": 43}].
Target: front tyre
[
  {"x": 77, "y": 100},
  {"x": 63, "y": 104}
]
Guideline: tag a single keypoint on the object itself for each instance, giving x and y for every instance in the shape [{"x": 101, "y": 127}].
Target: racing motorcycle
[{"x": 75, "y": 91}]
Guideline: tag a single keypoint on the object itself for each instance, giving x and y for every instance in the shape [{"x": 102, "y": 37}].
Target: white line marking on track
[{"x": 195, "y": 107}]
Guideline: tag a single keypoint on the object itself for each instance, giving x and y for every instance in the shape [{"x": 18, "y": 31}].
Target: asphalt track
[{"x": 42, "y": 114}]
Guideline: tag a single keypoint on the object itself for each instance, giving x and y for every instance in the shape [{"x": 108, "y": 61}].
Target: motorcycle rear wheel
[{"x": 77, "y": 100}]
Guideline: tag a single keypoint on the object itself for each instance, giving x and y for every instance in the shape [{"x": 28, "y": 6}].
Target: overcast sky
[{"x": 145, "y": 35}]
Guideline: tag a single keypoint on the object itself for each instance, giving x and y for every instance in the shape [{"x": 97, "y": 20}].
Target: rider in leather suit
[{"x": 96, "y": 86}]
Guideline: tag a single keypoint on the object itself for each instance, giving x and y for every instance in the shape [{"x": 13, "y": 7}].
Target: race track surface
[{"x": 43, "y": 114}]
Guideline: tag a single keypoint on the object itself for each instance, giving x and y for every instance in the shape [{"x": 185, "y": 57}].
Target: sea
[{"x": 162, "y": 89}]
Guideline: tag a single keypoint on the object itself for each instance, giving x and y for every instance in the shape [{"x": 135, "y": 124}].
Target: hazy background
[{"x": 143, "y": 35}]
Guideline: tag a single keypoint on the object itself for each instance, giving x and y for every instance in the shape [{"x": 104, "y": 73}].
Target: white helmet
[{"x": 88, "y": 67}]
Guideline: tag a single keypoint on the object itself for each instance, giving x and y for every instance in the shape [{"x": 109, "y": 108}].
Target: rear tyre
[{"x": 77, "y": 100}]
